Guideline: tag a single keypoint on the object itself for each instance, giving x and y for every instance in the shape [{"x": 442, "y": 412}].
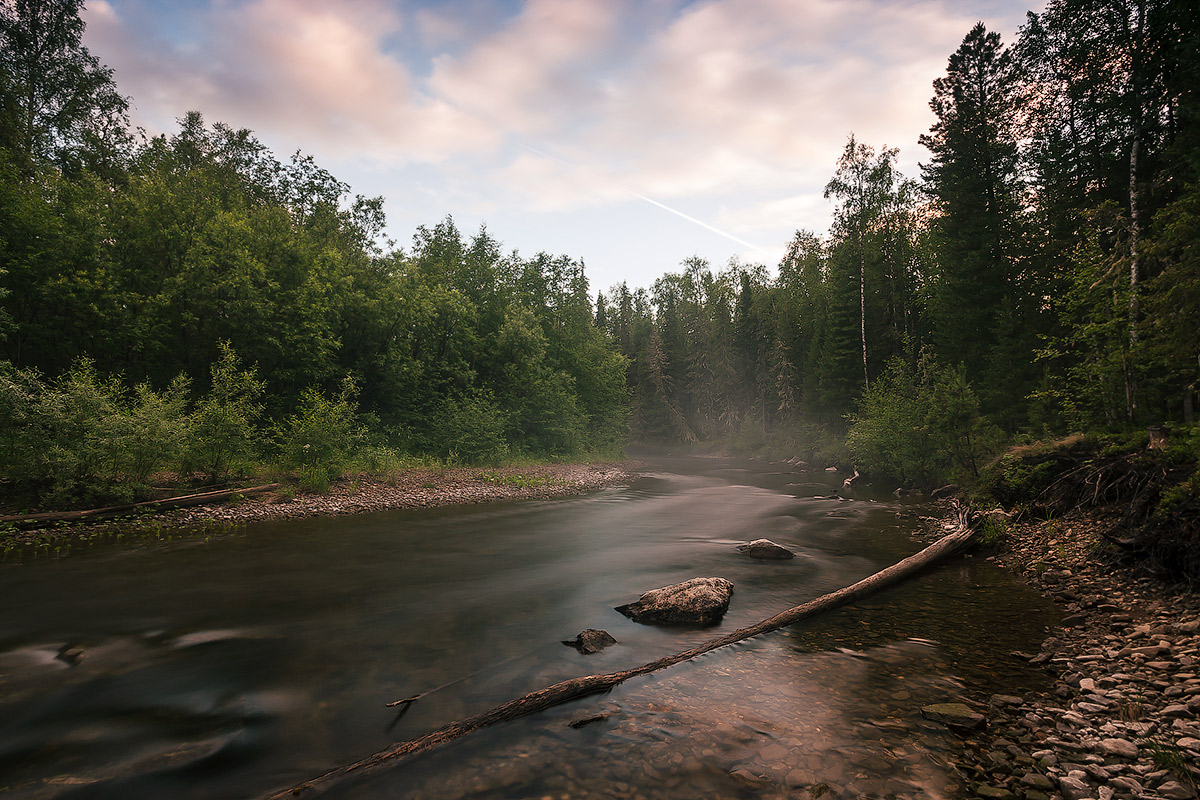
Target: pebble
[{"x": 1125, "y": 689}]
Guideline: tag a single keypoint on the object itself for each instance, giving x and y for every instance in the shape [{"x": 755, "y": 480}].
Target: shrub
[
  {"x": 323, "y": 434},
  {"x": 921, "y": 427},
  {"x": 224, "y": 424},
  {"x": 471, "y": 430},
  {"x": 84, "y": 438}
]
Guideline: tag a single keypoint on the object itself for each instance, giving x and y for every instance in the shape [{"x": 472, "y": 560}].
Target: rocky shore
[
  {"x": 412, "y": 488},
  {"x": 1122, "y": 719}
]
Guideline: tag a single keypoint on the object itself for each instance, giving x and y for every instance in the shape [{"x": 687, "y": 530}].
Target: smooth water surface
[{"x": 253, "y": 660}]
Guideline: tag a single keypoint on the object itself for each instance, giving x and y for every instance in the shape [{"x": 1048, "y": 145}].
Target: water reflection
[{"x": 267, "y": 656}]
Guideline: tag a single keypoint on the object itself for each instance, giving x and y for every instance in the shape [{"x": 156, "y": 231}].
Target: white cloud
[
  {"x": 740, "y": 107},
  {"x": 298, "y": 70}
]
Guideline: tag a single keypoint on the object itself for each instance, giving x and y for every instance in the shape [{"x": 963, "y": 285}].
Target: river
[{"x": 234, "y": 664}]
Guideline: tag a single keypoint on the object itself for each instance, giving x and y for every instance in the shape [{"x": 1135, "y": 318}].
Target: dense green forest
[{"x": 192, "y": 303}]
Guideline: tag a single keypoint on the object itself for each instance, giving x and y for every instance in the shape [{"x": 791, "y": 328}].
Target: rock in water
[
  {"x": 766, "y": 549},
  {"x": 700, "y": 601},
  {"x": 956, "y": 715},
  {"x": 591, "y": 641}
]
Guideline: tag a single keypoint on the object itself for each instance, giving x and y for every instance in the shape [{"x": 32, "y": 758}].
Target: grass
[
  {"x": 1173, "y": 758},
  {"x": 518, "y": 479}
]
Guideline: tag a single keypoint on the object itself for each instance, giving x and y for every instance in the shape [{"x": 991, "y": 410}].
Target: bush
[
  {"x": 320, "y": 438},
  {"x": 921, "y": 428},
  {"x": 224, "y": 425},
  {"x": 471, "y": 430},
  {"x": 84, "y": 438}
]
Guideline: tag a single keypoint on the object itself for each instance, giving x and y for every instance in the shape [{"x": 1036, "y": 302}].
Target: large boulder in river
[
  {"x": 699, "y": 601},
  {"x": 766, "y": 550},
  {"x": 591, "y": 641}
]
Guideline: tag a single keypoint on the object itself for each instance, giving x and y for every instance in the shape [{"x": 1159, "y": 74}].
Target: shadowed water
[{"x": 251, "y": 661}]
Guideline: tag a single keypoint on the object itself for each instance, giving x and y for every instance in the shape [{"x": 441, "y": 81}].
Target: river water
[{"x": 231, "y": 665}]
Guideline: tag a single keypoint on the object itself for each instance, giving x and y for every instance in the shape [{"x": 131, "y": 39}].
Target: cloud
[
  {"x": 740, "y": 107},
  {"x": 304, "y": 71}
]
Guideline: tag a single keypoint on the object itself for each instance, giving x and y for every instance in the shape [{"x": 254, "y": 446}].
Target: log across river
[{"x": 239, "y": 664}]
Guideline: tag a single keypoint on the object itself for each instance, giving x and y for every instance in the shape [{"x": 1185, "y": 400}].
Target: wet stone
[
  {"x": 766, "y": 550},
  {"x": 591, "y": 641},
  {"x": 955, "y": 715},
  {"x": 699, "y": 601}
]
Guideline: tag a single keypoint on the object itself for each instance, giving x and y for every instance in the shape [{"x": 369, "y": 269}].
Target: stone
[
  {"x": 699, "y": 601},
  {"x": 1176, "y": 791},
  {"x": 1037, "y": 780},
  {"x": 1176, "y": 710},
  {"x": 591, "y": 641},
  {"x": 766, "y": 550},
  {"x": 1188, "y": 743},
  {"x": 994, "y": 792},
  {"x": 956, "y": 715},
  {"x": 1074, "y": 788},
  {"x": 71, "y": 656},
  {"x": 1122, "y": 748},
  {"x": 1151, "y": 651},
  {"x": 1127, "y": 783}
]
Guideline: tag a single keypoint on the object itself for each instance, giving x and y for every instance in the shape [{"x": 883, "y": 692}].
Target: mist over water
[{"x": 254, "y": 660}]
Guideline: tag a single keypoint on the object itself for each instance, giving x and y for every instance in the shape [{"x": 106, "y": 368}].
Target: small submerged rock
[
  {"x": 956, "y": 715},
  {"x": 699, "y": 601},
  {"x": 591, "y": 641},
  {"x": 766, "y": 550}
]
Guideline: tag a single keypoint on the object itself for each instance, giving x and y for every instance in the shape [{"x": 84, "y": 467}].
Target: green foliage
[
  {"x": 320, "y": 439},
  {"x": 993, "y": 531},
  {"x": 225, "y": 435},
  {"x": 921, "y": 428},
  {"x": 517, "y": 479},
  {"x": 84, "y": 438},
  {"x": 471, "y": 430}
]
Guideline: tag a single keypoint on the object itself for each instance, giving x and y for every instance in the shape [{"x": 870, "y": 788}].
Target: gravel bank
[
  {"x": 1122, "y": 719},
  {"x": 415, "y": 488},
  {"x": 421, "y": 488}
]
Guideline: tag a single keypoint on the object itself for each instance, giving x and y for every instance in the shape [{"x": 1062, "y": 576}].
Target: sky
[{"x": 631, "y": 134}]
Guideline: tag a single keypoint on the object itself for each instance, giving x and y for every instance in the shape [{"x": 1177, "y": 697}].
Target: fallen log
[
  {"x": 574, "y": 688},
  {"x": 48, "y": 517}
]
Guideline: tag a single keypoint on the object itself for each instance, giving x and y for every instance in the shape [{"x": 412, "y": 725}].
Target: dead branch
[{"x": 559, "y": 693}]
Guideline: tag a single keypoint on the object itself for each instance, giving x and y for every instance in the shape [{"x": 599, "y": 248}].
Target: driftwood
[
  {"x": 45, "y": 518},
  {"x": 574, "y": 688}
]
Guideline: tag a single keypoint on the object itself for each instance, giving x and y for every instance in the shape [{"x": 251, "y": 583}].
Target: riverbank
[
  {"x": 1122, "y": 717},
  {"x": 411, "y": 489}
]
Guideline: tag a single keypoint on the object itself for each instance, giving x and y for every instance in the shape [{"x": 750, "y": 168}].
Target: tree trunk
[
  {"x": 1135, "y": 229},
  {"x": 862, "y": 308},
  {"x": 962, "y": 537}
]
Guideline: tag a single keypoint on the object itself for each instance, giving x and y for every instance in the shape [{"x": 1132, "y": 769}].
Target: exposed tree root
[{"x": 961, "y": 538}]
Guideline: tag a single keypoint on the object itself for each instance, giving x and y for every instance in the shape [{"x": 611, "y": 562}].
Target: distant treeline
[{"x": 1042, "y": 275}]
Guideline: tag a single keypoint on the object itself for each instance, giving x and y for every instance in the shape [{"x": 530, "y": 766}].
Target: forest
[{"x": 192, "y": 304}]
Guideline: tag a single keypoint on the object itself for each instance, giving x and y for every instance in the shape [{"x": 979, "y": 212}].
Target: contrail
[
  {"x": 701, "y": 223},
  {"x": 654, "y": 202}
]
